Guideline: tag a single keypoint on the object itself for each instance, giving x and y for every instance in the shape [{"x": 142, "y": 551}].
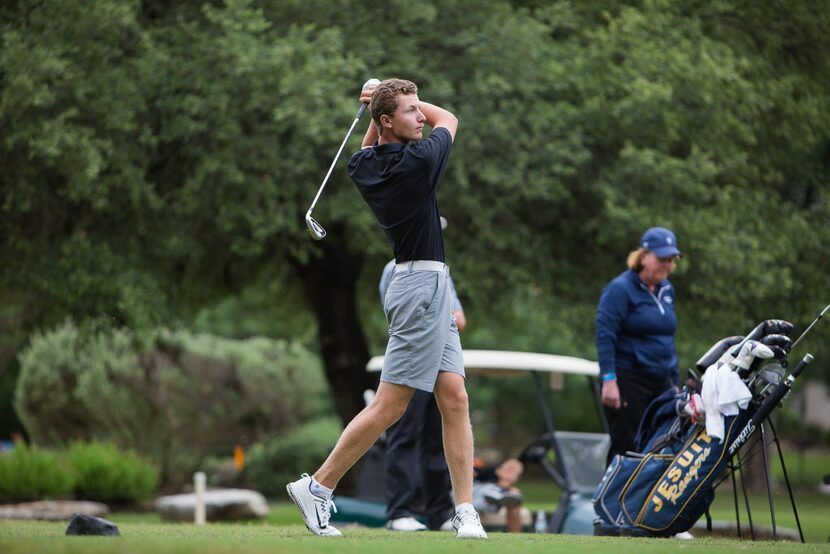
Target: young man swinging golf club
[{"x": 398, "y": 172}]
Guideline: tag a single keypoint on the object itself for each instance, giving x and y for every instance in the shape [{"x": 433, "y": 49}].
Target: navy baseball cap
[{"x": 661, "y": 241}]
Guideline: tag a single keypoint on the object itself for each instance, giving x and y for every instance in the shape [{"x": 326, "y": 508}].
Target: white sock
[
  {"x": 319, "y": 490},
  {"x": 464, "y": 507}
]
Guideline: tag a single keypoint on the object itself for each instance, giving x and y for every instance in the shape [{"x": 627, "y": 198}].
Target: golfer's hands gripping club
[{"x": 366, "y": 95}]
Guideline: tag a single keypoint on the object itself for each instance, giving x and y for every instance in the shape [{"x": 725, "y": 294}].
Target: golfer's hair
[
  {"x": 635, "y": 259},
  {"x": 385, "y": 101}
]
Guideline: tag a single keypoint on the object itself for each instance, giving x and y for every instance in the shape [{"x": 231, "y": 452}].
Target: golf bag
[{"x": 666, "y": 483}]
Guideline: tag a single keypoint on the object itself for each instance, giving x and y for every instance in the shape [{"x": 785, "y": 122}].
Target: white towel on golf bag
[{"x": 724, "y": 393}]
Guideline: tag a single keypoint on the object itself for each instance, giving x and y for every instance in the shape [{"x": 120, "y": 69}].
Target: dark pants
[
  {"x": 636, "y": 393},
  {"x": 417, "y": 479}
]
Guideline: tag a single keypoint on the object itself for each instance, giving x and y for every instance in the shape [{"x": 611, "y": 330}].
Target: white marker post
[{"x": 199, "y": 509}]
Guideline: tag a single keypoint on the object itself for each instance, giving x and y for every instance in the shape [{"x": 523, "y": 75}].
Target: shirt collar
[{"x": 636, "y": 279}]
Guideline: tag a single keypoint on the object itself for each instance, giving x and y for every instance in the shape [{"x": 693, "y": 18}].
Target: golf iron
[{"x": 315, "y": 229}]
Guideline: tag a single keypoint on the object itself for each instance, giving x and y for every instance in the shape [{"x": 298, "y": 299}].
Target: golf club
[
  {"x": 807, "y": 330},
  {"x": 315, "y": 229}
]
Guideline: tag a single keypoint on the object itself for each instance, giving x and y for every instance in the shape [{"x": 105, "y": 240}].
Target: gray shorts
[{"x": 423, "y": 337}]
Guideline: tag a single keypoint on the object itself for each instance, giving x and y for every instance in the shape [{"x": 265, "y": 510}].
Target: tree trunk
[{"x": 329, "y": 282}]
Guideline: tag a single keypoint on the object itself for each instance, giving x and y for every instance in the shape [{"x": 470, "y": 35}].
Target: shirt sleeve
[
  {"x": 385, "y": 279},
  {"x": 611, "y": 312},
  {"x": 456, "y": 303},
  {"x": 435, "y": 151}
]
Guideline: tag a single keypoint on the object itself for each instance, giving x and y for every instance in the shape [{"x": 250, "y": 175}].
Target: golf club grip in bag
[
  {"x": 769, "y": 404},
  {"x": 780, "y": 391}
]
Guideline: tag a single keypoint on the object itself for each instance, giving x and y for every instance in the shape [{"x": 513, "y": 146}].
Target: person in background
[
  {"x": 415, "y": 464},
  {"x": 494, "y": 487},
  {"x": 635, "y": 329}
]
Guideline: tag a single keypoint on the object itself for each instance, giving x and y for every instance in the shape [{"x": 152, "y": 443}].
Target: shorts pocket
[{"x": 405, "y": 303}]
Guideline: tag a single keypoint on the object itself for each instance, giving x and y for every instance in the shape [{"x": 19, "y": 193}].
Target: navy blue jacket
[{"x": 635, "y": 328}]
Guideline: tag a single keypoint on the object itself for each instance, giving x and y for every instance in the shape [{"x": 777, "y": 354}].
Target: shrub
[
  {"x": 271, "y": 464},
  {"x": 174, "y": 397},
  {"x": 29, "y": 473},
  {"x": 105, "y": 473}
]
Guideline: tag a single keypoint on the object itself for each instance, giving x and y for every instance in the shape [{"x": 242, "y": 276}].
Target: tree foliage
[
  {"x": 158, "y": 157},
  {"x": 174, "y": 397}
]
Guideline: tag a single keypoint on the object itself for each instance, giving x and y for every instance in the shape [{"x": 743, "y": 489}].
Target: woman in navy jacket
[{"x": 635, "y": 329}]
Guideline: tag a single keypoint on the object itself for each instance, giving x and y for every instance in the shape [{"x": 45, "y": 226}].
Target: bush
[
  {"x": 273, "y": 463},
  {"x": 103, "y": 472},
  {"x": 174, "y": 397},
  {"x": 30, "y": 473}
]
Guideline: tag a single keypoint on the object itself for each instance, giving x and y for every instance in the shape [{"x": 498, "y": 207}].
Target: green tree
[{"x": 158, "y": 158}]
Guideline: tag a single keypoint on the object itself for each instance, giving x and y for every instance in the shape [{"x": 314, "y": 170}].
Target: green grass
[
  {"x": 282, "y": 533},
  {"x": 139, "y": 538},
  {"x": 813, "y": 511},
  {"x": 804, "y": 468}
]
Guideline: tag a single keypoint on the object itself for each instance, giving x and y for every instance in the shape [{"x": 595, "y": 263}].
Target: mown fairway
[
  {"x": 29, "y": 537},
  {"x": 281, "y": 533},
  {"x": 141, "y": 538}
]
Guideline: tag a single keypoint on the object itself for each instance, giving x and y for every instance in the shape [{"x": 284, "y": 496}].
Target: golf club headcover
[
  {"x": 750, "y": 358},
  {"x": 716, "y": 352},
  {"x": 749, "y": 351},
  {"x": 779, "y": 344},
  {"x": 777, "y": 327}
]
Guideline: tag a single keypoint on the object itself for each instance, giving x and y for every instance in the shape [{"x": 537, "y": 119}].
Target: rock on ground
[
  {"x": 52, "y": 510},
  {"x": 220, "y": 505}
]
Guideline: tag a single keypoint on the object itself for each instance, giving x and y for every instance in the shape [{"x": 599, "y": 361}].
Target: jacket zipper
[{"x": 656, "y": 298}]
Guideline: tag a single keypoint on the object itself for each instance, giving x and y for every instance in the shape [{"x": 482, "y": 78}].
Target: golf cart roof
[{"x": 505, "y": 363}]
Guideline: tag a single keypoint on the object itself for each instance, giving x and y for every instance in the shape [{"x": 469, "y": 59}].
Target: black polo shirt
[{"x": 399, "y": 182}]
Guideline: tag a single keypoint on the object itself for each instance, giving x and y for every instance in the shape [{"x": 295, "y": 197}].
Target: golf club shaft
[
  {"x": 337, "y": 156},
  {"x": 807, "y": 330}
]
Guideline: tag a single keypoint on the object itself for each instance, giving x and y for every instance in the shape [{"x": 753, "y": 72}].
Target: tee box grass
[
  {"x": 282, "y": 533},
  {"x": 140, "y": 538}
]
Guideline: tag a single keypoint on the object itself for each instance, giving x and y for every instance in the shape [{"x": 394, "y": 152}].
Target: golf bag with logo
[{"x": 667, "y": 482}]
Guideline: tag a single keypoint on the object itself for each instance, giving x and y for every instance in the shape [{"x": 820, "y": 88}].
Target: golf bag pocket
[
  {"x": 608, "y": 493},
  {"x": 683, "y": 492},
  {"x": 638, "y": 487}
]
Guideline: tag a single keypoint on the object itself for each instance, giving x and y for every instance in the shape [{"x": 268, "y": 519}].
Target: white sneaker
[
  {"x": 467, "y": 524},
  {"x": 405, "y": 524},
  {"x": 314, "y": 509},
  {"x": 447, "y": 526}
]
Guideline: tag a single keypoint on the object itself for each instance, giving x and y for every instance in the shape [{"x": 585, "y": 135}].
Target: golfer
[{"x": 398, "y": 172}]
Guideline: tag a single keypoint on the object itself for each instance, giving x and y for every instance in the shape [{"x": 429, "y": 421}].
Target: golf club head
[{"x": 314, "y": 229}]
